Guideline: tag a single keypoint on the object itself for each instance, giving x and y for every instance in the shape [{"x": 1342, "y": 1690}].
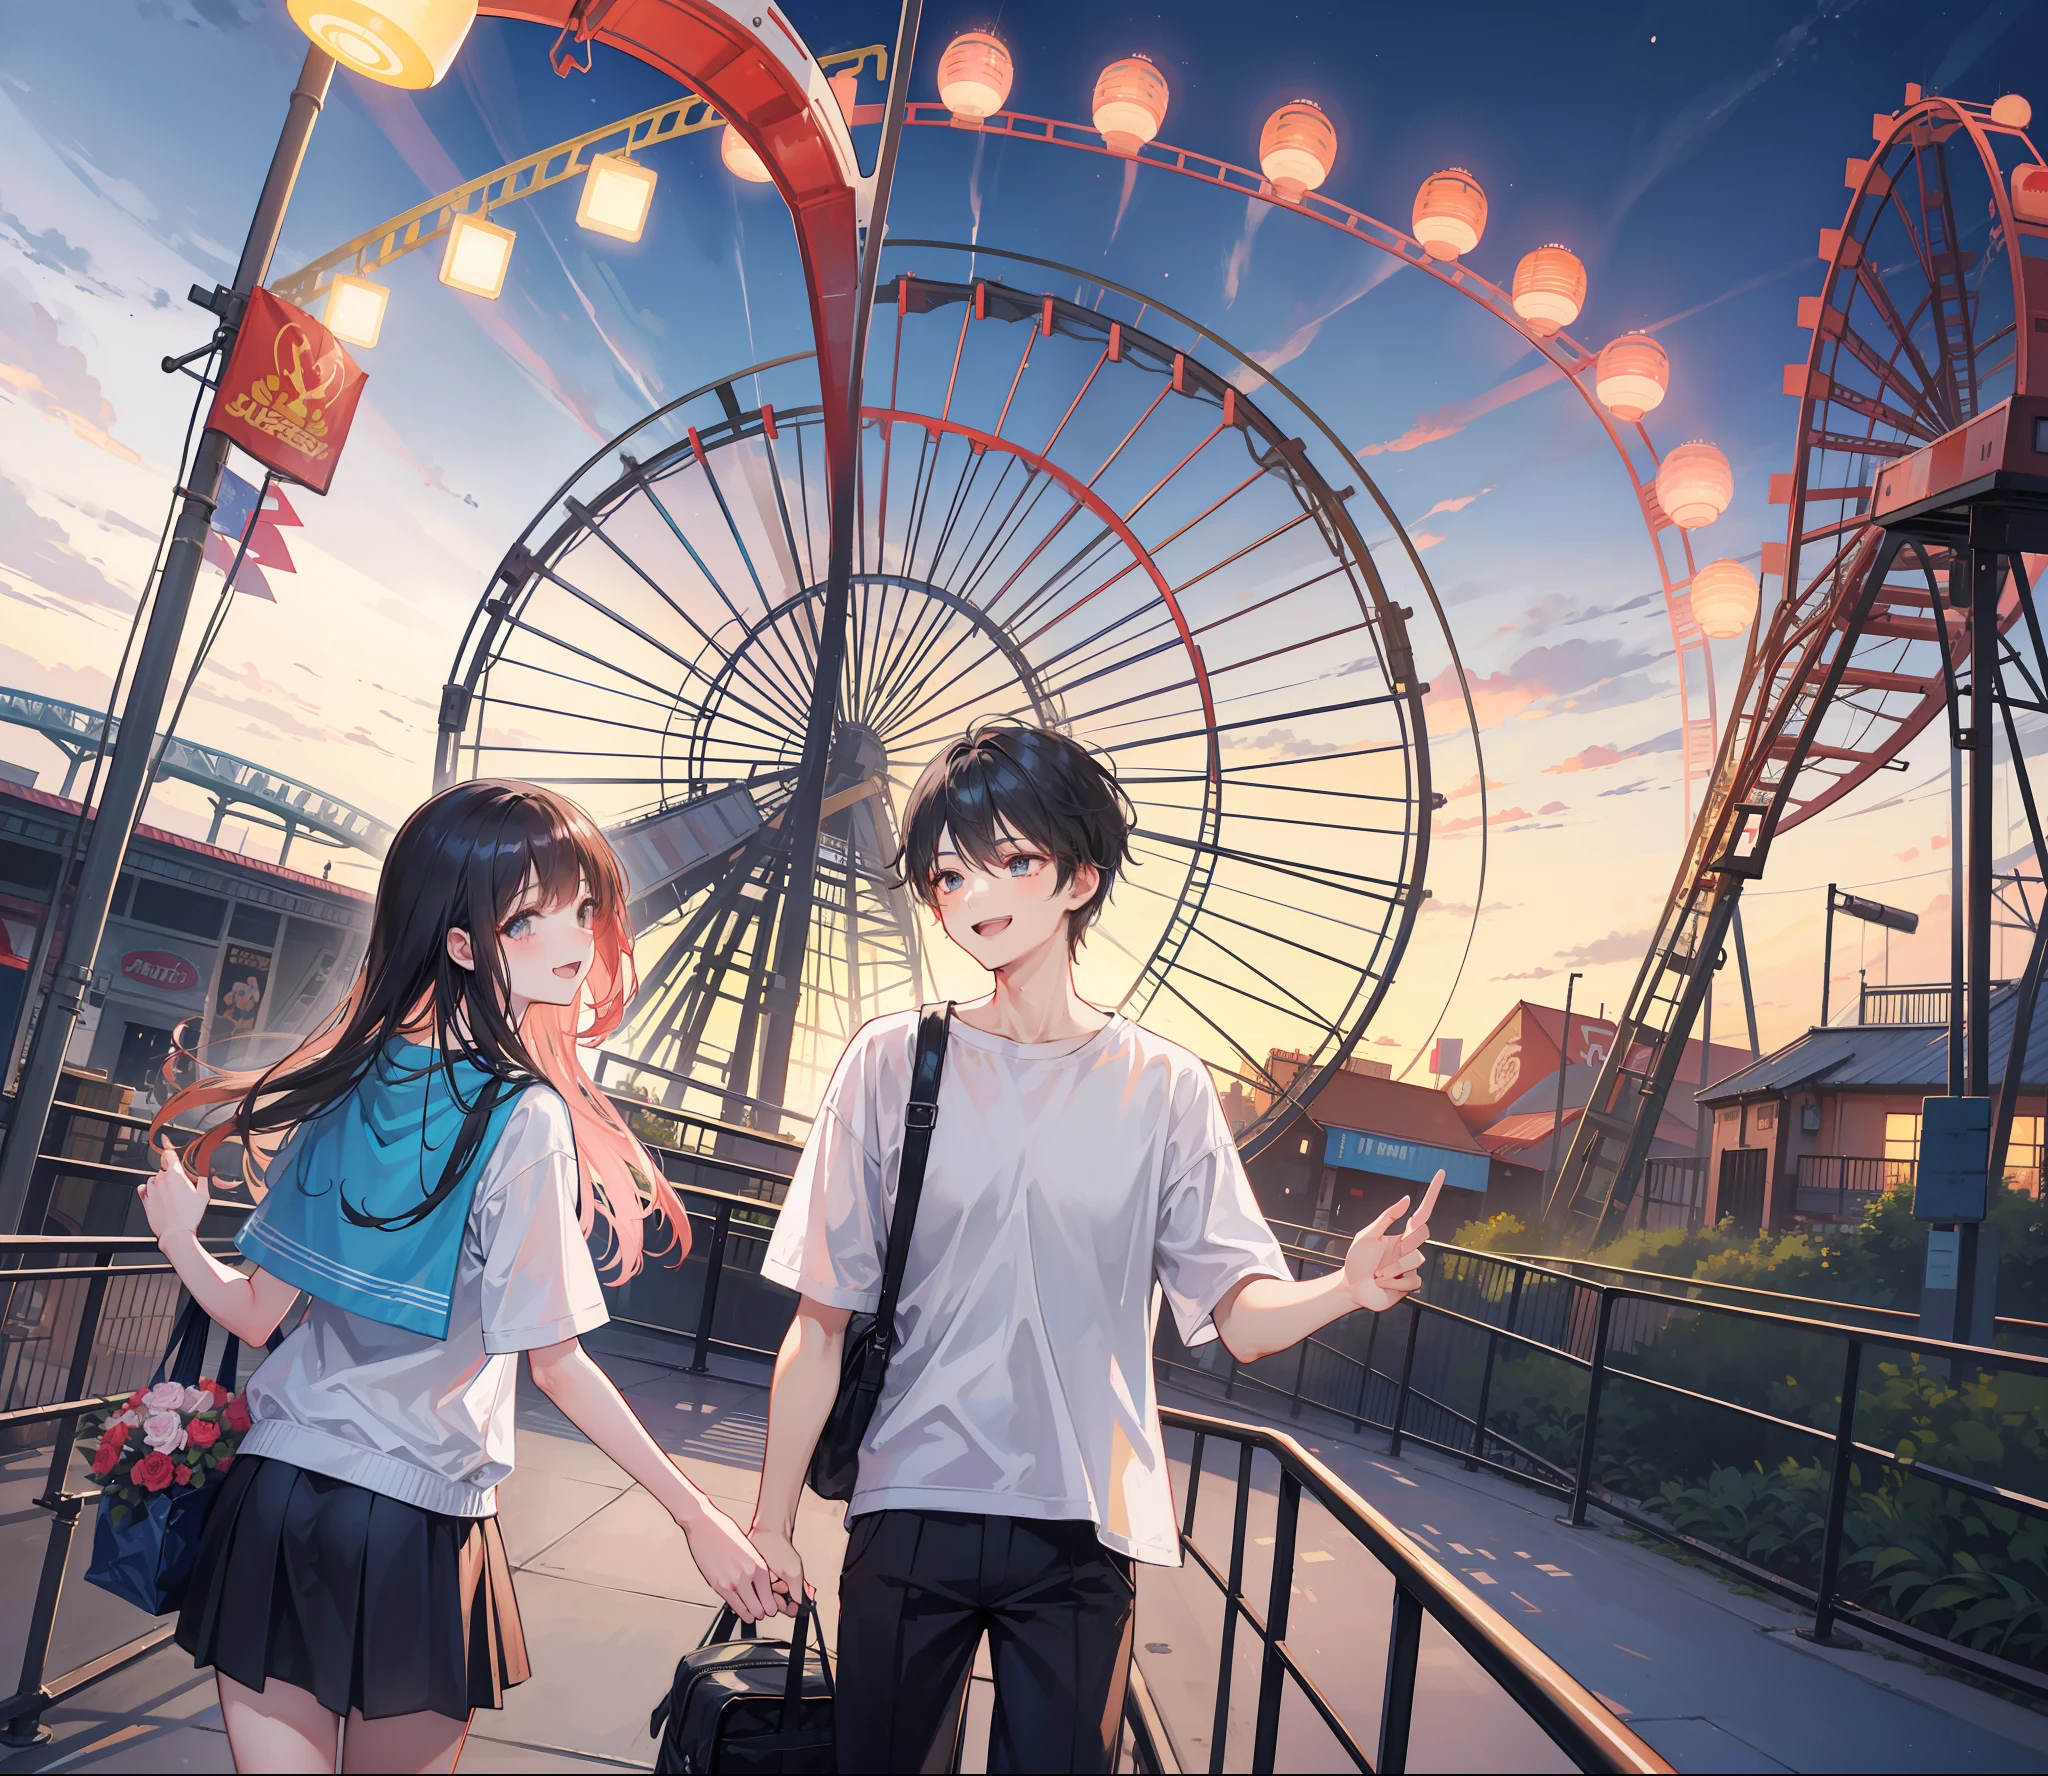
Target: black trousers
[{"x": 919, "y": 1590}]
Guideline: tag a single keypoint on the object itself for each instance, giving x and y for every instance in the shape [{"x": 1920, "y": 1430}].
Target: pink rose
[
  {"x": 104, "y": 1459},
  {"x": 166, "y": 1396},
  {"x": 153, "y": 1472},
  {"x": 164, "y": 1432},
  {"x": 182, "y": 1474},
  {"x": 202, "y": 1433},
  {"x": 236, "y": 1414}
]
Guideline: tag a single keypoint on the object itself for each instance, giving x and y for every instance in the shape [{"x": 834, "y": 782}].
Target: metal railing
[
  {"x": 1571, "y": 1715},
  {"x": 85, "y": 1322},
  {"x": 106, "y": 1302},
  {"x": 1907, "y": 1005},
  {"x": 1841, "y": 1185},
  {"x": 1530, "y": 1307}
]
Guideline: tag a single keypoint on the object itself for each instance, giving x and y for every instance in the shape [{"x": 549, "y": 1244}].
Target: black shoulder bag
[{"x": 835, "y": 1463}]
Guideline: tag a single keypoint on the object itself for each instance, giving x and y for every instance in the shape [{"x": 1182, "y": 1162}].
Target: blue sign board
[{"x": 1404, "y": 1159}]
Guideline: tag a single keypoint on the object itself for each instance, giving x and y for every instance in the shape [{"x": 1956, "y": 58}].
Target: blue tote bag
[{"x": 147, "y": 1559}]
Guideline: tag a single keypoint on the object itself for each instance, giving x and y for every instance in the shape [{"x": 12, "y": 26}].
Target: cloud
[
  {"x": 1448, "y": 422},
  {"x": 1616, "y": 946},
  {"x": 1471, "y": 787},
  {"x": 49, "y": 248},
  {"x": 1530, "y": 974},
  {"x": 1452, "y": 505},
  {"x": 1963, "y": 54},
  {"x": 38, "y": 550},
  {"x": 250, "y": 677},
  {"x": 1579, "y": 675},
  {"x": 1304, "y": 335},
  {"x": 1598, "y": 758},
  {"x": 1465, "y": 822},
  {"x": 1552, "y": 808},
  {"x": 1635, "y": 788},
  {"x": 1425, "y": 539},
  {"x": 52, "y": 376},
  {"x": 1256, "y": 210}
]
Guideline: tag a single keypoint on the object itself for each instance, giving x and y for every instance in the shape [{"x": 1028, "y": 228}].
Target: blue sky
[{"x": 1690, "y": 155}]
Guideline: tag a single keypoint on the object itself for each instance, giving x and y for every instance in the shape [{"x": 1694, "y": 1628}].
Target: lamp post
[
  {"x": 435, "y": 29},
  {"x": 1564, "y": 1060}
]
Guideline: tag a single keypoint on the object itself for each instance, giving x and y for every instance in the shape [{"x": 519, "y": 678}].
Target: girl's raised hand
[
  {"x": 1381, "y": 1267},
  {"x": 172, "y": 1198}
]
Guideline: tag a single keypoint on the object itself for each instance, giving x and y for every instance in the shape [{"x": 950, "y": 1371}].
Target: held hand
[
  {"x": 730, "y": 1564},
  {"x": 1381, "y": 1267},
  {"x": 786, "y": 1564},
  {"x": 172, "y": 1198}
]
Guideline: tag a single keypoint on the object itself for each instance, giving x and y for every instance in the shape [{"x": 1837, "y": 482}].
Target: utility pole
[
  {"x": 801, "y": 821},
  {"x": 127, "y": 783},
  {"x": 1564, "y": 1060}
]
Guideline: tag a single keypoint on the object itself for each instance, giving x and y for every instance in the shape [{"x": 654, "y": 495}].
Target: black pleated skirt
[{"x": 370, "y": 1603}]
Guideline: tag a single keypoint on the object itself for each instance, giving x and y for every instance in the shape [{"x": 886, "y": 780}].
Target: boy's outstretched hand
[{"x": 1381, "y": 1267}]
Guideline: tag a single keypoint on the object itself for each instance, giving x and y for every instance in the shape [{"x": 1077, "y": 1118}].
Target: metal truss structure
[
  {"x": 1063, "y": 517},
  {"x": 1931, "y": 312}
]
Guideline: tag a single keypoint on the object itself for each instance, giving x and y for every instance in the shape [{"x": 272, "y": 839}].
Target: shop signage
[{"x": 161, "y": 969}]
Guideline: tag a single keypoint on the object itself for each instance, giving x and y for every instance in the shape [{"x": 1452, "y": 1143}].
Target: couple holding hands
[{"x": 433, "y": 1161}]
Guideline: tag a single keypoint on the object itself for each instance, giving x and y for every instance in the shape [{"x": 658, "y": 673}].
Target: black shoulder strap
[{"x": 920, "y": 1117}]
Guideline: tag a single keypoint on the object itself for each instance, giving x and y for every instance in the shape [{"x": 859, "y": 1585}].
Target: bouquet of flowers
[{"x": 166, "y": 1438}]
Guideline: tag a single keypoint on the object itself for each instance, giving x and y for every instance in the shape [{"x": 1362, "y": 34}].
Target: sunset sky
[{"x": 1691, "y": 156}]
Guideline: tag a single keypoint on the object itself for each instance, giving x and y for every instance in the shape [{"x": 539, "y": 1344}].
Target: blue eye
[
  {"x": 1021, "y": 866},
  {"x": 949, "y": 881}
]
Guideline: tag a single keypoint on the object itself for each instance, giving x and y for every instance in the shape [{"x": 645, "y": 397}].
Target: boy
[{"x": 1014, "y": 1470}]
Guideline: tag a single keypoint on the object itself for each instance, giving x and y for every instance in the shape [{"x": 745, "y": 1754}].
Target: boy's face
[{"x": 1012, "y": 909}]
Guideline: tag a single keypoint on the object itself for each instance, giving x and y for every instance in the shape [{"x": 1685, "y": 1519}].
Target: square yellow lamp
[
  {"x": 478, "y": 256},
  {"x": 355, "y": 309},
  {"x": 617, "y": 193}
]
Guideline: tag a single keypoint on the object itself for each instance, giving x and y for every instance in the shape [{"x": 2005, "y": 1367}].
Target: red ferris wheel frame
[{"x": 1700, "y": 733}]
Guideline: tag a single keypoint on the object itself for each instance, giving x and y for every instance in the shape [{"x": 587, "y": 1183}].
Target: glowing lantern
[
  {"x": 616, "y": 195},
  {"x": 2012, "y": 111},
  {"x": 974, "y": 78},
  {"x": 740, "y": 160},
  {"x": 2030, "y": 191},
  {"x": 355, "y": 309},
  {"x": 1450, "y": 213},
  {"x": 1297, "y": 148},
  {"x": 1631, "y": 375},
  {"x": 1724, "y": 599},
  {"x": 1550, "y": 289},
  {"x": 478, "y": 255},
  {"x": 1694, "y": 485},
  {"x": 408, "y": 43},
  {"x": 1130, "y": 103}
]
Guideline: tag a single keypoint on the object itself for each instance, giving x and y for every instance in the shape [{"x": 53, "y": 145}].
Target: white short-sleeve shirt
[
  {"x": 429, "y": 1420},
  {"x": 1064, "y": 1180}
]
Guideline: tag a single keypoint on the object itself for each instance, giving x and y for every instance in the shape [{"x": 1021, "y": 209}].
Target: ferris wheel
[{"x": 1068, "y": 513}]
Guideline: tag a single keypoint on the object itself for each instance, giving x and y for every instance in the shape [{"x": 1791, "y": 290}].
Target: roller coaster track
[{"x": 1914, "y": 334}]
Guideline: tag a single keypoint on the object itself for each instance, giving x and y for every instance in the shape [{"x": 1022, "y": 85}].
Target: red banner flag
[{"x": 289, "y": 392}]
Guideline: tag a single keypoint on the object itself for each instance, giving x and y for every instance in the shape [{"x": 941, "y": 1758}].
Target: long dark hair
[{"x": 464, "y": 860}]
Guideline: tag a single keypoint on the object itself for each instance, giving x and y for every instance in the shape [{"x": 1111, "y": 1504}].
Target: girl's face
[
  {"x": 1010, "y": 910},
  {"x": 547, "y": 949}
]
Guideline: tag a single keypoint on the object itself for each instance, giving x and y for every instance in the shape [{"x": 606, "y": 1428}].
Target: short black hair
[{"x": 1034, "y": 784}]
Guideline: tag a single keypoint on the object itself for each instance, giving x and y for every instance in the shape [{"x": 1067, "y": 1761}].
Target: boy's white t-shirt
[{"x": 1064, "y": 1178}]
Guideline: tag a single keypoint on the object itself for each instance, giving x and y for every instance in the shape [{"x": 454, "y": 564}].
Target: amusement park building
[
  {"x": 1813, "y": 1131},
  {"x": 256, "y": 951},
  {"x": 1363, "y": 1140},
  {"x": 1506, "y": 1094}
]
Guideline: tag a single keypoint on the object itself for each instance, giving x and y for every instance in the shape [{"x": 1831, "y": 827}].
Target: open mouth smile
[
  {"x": 992, "y": 927},
  {"x": 569, "y": 970}
]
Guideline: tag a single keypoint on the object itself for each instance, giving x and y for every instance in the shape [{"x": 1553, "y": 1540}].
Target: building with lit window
[
  {"x": 227, "y": 954},
  {"x": 1814, "y": 1131}
]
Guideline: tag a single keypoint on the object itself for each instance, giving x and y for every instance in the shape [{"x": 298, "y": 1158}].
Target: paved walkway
[
  {"x": 1714, "y": 1679},
  {"x": 609, "y": 1598}
]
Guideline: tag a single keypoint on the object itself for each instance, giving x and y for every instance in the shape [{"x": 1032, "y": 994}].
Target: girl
[{"x": 431, "y": 1160}]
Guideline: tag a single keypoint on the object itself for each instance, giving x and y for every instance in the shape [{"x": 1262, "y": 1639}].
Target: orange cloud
[
  {"x": 1447, "y": 422},
  {"x": 1425, "y": 539}
]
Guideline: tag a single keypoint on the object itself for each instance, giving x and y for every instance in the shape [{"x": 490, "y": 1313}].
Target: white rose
[
  {"x": 166, "y": 1396},
  {"x": 164, "y": 1431}
]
